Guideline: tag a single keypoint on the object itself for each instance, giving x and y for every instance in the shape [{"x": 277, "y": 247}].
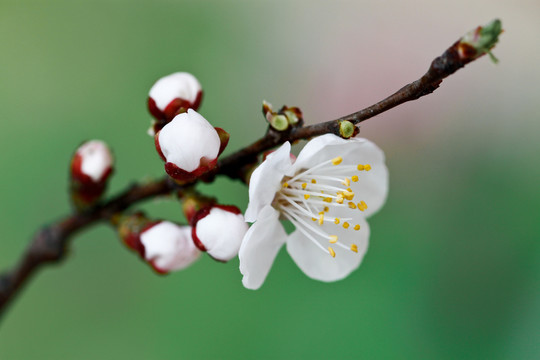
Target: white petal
[
  {"x": 96, "y": 159},
  {"x": 372, "y": 186},
  {"x": 221, "y": 232},
  {"x": 320, "y": 265},
  {"x": 181, "y": 85},
  {"x": 266, "y": 180},
  {"x": 170, "y": 246},
  {"x": 188, "y": 138},
  {"x": 260, "y": 247}
]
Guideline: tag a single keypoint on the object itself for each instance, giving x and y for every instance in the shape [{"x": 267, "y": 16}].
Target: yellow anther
[
  {"x": 340, "y": 199},
  {"x": 354, "y": 248},
  {"x": 352, "y": 205},
  {"x": 321, "y": 218},
  {"x": 360, "y": 167},
  {"x": 328, "y": 199},
  {"x": 285, "y": 184},
  {"x": 333, "y": 239},
  {"x": 332, "y": 252},
  {"x": 313, "y": 181},
  {"x": 306, "y": 196},
  {"x": 364, "y": 205},
  {"x": 360, "y": 207},
  {"x": 326, "y": 209},
  {"x": 337, "y": 160},
  {"x": 356, "y": 227},
  {"x": 349, "y": 189},
  {"x": 336, "y": 221},
  {"x": 346, "y": 182},
  {"x": 321, "y": 213},
  {"x": 304, "y": 185},
  {"x": 367, "y": 167},
  {"x": 354, "y": 178},
  {"x": 348, "y": 195},
  {"x": 346, "y": 225},
  {"x": 314, "y": 219}
]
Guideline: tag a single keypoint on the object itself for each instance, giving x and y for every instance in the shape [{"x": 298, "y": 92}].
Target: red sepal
[{"x": 183, "y": 176}]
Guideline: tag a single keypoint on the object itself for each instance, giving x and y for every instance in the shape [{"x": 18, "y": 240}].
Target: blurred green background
[{"x": 453, "y": 269}]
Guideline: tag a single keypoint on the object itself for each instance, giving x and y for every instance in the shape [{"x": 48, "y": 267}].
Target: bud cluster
[{"x": 284, "y": 118}]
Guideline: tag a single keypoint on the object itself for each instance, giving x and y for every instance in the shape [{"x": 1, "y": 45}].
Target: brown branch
[{"x": 50, "y": 243}]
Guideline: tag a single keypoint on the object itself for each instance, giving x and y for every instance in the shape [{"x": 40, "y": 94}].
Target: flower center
[{"x": 313, "y": 197}]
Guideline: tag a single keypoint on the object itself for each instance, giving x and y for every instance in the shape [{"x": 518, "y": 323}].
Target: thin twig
[{"x": 49, "y": 244}]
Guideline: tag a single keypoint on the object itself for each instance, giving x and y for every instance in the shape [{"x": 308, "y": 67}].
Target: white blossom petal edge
[{"x": 326, "y": 194}]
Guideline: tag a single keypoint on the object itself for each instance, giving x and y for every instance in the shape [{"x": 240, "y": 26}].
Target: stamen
[
  {"x": 336, "y": 221},
  {"x": 332, "y": 252},
  {"x": 303, "y": 230},
  {"x": 337, "y": 160},
  {"x": 333, "y": 239},
  {"x": 326, "y": 209},
  {"x": 352, "y": 205},
  {"x": 367, "y": 167},
  {"x": 360, "y": 167},
  {"x": 356, "y": 227},
  {"x": 321, "y": 218},
  {"x": 306, "y": 196},
  {"x": 313, "y": 181},
  {"x": 346, "y": 182},
  {"x": 346, "y": 225},
  {"x": 354, "y": 248},
  {"x": 354, "y": 178},
  {"x": 285, "y": 185},
  {"x": 304, "y": 185}
]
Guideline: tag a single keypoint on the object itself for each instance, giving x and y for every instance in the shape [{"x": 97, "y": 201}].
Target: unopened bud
[
  {"x": 285, "y": 117},
  {"x": 129, "y": 229},
  {"x": 190, "y": 146},
  {"x": 168, "y": 247},
  {"x": 219, "y": 231},
  {"x": 480, "y": 41},
  {"x": 346, "y": 129},
  {"x": 90, "y": 169},
  {"x": 171, "y": 95}
]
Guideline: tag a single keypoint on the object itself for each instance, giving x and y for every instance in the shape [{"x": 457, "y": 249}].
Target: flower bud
[
  {"x": 190, "y": 146},
  {"x": 480, "y": 41},
  {"x": 219, "y": 231},
  {"x": 168, "y": 247},
  {"x": 281, "y": 119},
  {"x": 347, "y": 129},
  {"x": 171, "y": 95},
  {"x": 91, "y": 167}
]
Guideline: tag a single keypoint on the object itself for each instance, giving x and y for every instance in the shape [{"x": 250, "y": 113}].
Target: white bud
[
  {"x": 180, "y": 85},
  {"x": 96, "y": 159},
  {"x": 221, "y": 233},
  {"x": 189, "y": 139},
  {"x": 169, "y": 247}
]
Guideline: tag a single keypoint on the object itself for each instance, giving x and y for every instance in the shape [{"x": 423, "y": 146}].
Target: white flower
[
  {"x": 189, "y": 144},
  {"x": 93, "y": 159},
  {"x": 219, "y": 230},
  {"x": 172, "y": 92},
  {"x": 169, "y": 247},
  {"x": 326, "y": 194}
]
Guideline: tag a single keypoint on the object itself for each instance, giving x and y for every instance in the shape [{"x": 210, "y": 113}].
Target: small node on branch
[{"x": 347, "y": 129}]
